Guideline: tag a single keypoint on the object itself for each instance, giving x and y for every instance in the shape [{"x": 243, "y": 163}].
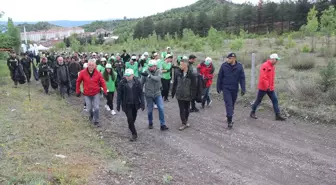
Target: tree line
[{"x": 263, "y": 18}]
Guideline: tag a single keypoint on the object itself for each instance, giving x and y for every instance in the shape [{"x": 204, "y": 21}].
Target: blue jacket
[{"x": 230, "y": 76}]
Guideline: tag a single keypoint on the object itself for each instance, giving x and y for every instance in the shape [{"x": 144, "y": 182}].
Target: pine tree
[
  {"x": 148, "y": 27},
  {"x": 202, "y": 25}
]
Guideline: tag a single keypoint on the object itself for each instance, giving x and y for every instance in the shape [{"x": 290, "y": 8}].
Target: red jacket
[
  {"x": 207, "y": 73},
  {"x": 92, "y": 84},
  {"x": 266, "y": 76}
]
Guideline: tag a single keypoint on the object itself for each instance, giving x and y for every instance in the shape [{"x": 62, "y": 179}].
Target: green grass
[{"x": 33, "y": 132}]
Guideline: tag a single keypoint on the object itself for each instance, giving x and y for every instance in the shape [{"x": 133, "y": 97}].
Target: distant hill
[{"x": 36, "y": 27}]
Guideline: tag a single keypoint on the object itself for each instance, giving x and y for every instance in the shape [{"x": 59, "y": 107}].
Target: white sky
[{"x": 41, "y": 10}]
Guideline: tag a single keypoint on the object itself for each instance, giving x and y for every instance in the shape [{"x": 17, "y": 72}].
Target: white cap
[
  {"x": 152, "y": 63},
  {"x": 108, "y": 66},
  {"x": 103, "y": 59},
  {"x": 168, "y": 47},
  {"x": 142, "y": 57},
  {"x": 275, "y": 56},
  {"x": 168, "y": 55},
  {"x": 85, "y": 65},
  {"x": 146, "y": 53},
  {"x": 208, "y": 59},
  {"x": 94, "y": 54},
  {"x": 155, "y": 54},
  {"x": 133, "y": 57},
  {"x": 129, "y": 72}
]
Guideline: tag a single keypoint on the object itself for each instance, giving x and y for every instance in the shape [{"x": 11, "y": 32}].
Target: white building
[{"x": 57, "y": 33}]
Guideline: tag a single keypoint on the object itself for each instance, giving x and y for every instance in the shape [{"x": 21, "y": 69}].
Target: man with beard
[
  {"x": 26, "y": 64},
  {"x": 63, "y": 77},
  {"x": 74, "y": 69},
  {"x": 13, "y": 64}
]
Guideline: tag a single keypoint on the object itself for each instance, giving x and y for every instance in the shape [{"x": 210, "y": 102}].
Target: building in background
[{"x": 52, "y": 34}]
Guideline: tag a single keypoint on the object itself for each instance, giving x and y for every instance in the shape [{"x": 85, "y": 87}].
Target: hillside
[{"x": 37, "y": 26}]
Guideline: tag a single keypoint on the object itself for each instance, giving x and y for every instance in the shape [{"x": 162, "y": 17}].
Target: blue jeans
[
  {"x": 271, "y": 95},
  {"x": 150, "y": 104},
  {"x": 92, "y": 106},
  {"x": 206, "y": 97}
]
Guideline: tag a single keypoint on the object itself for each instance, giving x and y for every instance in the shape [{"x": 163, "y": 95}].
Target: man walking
[
  {"x": 266, "y": 86},
  {"x": 152, "y": 84},
  {"x": 74, "y": 69},
  {"x": 230, "y": 75},
  {"x": 130, "y": 98},
  {"x": 63, "y": 77},
  {"x": 93, "y": 81},
  {"x": 166, "y": 76},
  {"x": 26, "y": 62},
  {"x": 13, "y": 64},
  {"x": 193, "y": 69}
]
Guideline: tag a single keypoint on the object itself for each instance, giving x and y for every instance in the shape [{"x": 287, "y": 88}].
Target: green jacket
[
  {"x": 159, "y": 63},
  {"x": 168, "y": 67},
  {"x": 111, "y": 84},
  {"x": 101, "y": 68},
  {"x": 152, "y": 84},
  {"x": 135, "y": 68}
]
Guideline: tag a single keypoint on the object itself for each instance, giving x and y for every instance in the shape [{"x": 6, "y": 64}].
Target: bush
[
  {"x": 290, "y": 43},
  {"x": 245, "y": 58},
  {"x": 302, "y": 62},
  {"x": 259, "y": 42},
  {"x": 279, "y": 41},
  {"x": 236, "y": 44},
  {"x": 332, "y": 96},
  {"x": 306, "y": 49},
  {"x": 304, "y": 91},
  {"x": 328, "y": 76}
]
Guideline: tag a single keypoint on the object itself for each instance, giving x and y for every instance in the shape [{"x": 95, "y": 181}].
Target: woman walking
[{"x": 110, "y": 78}]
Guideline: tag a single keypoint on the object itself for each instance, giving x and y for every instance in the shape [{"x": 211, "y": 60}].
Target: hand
[
  {"x": 242, "y": 93},
  {"x": 268, "y": 90},
  {"x": 142, "y": 107},
  {"x": 78, "y": 94},
  {"x": 118, "y": 108},
  {"x": 144, "y": 74}
]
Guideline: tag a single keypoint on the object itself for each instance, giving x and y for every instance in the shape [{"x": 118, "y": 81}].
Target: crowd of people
[{"x": 145, "y": 79}]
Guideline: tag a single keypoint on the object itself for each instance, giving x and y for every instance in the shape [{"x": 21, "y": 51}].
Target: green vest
[
  {"x": 110, "y": 84},
  {"x": 135, "y": 68},
  {"x": 166, "y": 66}
]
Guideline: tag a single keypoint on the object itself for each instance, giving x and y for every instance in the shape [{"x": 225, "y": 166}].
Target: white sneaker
[
  {"x": 209, "y": 103},
  {"x": 107, "y": 108},
  {"x": 84, "y": 108},
  {"x": 155, "y": 106},
  {"x": 113, "y": 112}
]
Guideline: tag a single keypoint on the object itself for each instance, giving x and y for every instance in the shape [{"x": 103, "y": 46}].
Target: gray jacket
[{"x": 152, "y": 84}]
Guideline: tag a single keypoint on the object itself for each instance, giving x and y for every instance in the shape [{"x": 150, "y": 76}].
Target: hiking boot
[
  {"x": 164, "y": 128},
  {"x": 278, "y": 117},
  {"x": 203, "y": 105},
  {"x": 184, "y": 126},
  {"x": 134, "y": 138},
  {"x": 96, "y": 124},
  {"x": 150, "y": 126},
  {"x": 209, "y": 103},
  {"x": 187, "y": 124},
  {"x": 84, "y": 108},
  {"x": 253, "y": 115},
  {"x": 113, "y": 112},
  {"x": 230, "y": 125}
]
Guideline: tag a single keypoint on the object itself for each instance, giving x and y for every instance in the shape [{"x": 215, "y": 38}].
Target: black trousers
[
  {"x": 64, "y": 87},
  {"x": 12, "y": 76},
  {"x": 184, "y": 110},
  {"x": 109, "y": 99},
  {"x": 165, "y": 88},
  {"x": 27, "y": 72},
  {"x": 131, "y": 114},
  {"x": 45, "y": 83}
]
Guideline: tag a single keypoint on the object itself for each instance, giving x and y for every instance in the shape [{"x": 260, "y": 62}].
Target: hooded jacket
[
  {"x": 266, "y": 76},
  {"x": 230, "y": 76},
  {"x": 91, "y": 82}
]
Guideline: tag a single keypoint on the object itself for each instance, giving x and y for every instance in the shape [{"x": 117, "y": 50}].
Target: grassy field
[{"x": 33, "y": 132}]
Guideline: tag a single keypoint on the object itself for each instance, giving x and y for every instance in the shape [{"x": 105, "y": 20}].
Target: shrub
[
  {"x": 279, "y": 41},
  {"x": 259, "y": 42},
  {"x": 236, "y": 44},
  {"x": 306, "y": 49},
  {"x": 302, "y": 62},
  {"x": 245, "y": 58},
  {"x": 304, "y": 91},
  {"x": 290, "y": 43},
  {"x": 328, "y": 76},
  {"x": 332, "y": 96}
]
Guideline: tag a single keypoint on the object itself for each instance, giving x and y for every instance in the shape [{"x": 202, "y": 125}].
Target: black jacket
[
  {"x": 184, "y": 86},
  {"x": 13, "y": 63},
  {"x": 138, "y": 93},
  {"x": 62, "y": 74},
  {"x": 230, "y": 76},
  {"x": 43, "y": 70}
]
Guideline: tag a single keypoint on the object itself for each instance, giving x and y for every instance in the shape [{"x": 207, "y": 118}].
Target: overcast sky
[{"x": 41, "y": 10}]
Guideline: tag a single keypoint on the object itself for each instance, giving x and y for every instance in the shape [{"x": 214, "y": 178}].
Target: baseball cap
[
  {"x": 169, "y": 56},
  {"x": 133, "y": 57},
  {"x": 103, "y": 59},
  {"x": 168, "y": 48},
  {"x": 155, "y": 54},
  {"x": 146, "y": 53},
  {"x": 192, "y": 56},
  {"x": 94, "y": 54},
  {"x": 129, "y": 72},
  {"x": 142, "y": 57},
  {"x": 231, "y": 55},
  {"x": 275, "y": 56},
  {"x": 208, "y": 59},
  {"x": 85, "y": 65},
  {"x": 108, "y": 66},
  {"x": 184, "y": 58},
  {"x": 152, "y": 63}
]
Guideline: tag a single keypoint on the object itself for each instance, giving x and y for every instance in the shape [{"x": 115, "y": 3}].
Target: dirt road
[{"x": 255, "y": 152}]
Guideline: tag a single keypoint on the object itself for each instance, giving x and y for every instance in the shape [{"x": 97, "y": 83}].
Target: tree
[
  {"x": 214, "y": 39},
  {"x": 148, "y": 27},
  {"x": 202, "y": 25},
  {"x": 312, "y": 26},
  {"x": 183, "y": 25},
  {"x": 14, "y": 32},
  {"x": 270, "y": 14},
  {"x": 190, "y": 22},
  {"x": 138, "y": 30},
  {"x": 301, "y": 11},
  {"x": 328, "y": 22}
]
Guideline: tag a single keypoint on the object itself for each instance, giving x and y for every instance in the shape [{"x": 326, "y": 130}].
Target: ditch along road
[{"x": 254, "y": 152}]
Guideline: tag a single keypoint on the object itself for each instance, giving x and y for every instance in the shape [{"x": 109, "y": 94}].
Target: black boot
[
  {"x": 253, "y": 115},
  {"x": 134, "y": 138},
  {"x": 278, "y": 117},
  {"x": 230, "y": 123}
]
